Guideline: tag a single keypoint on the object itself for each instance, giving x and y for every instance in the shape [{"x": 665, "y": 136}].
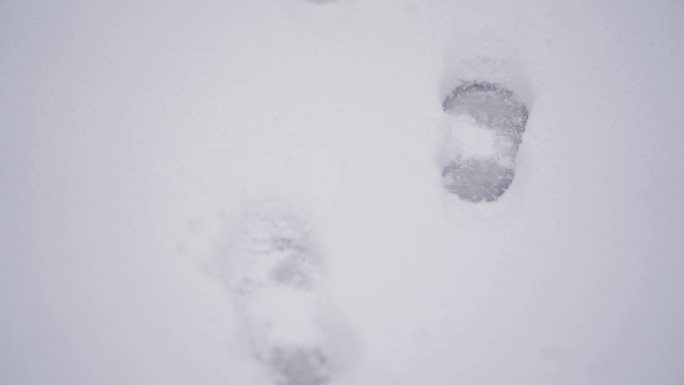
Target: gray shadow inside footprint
[
  {"x": 486, "y": 125},
  {"x": 297, "y": 366}
]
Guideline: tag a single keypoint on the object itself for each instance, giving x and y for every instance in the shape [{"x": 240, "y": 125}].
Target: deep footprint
[
  {"x": 486, "y": 124},
  {"x": 274, "y": 272}
]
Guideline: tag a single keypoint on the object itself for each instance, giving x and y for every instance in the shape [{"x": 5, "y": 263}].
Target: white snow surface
[
  {"x": 134, "y": 133},
  {"x": 467, "y": 139}
]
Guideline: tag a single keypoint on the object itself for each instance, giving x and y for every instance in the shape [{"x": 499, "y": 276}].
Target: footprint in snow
[
  {"x": 274, "y": 271},
  {"x": 486, "y": 124}
]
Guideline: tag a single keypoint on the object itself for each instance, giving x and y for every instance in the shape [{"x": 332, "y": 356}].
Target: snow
[
  {"x": 134, "y": 135},
  {"x": 469, "y": 139}
]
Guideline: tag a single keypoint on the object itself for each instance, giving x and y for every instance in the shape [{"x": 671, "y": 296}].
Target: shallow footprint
[
  {"x": 274, "y": 271},
  {"x": 486, "y": 124}
]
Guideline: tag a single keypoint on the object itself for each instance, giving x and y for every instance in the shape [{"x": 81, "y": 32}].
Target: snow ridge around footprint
[{"x": 274, "y": 271}]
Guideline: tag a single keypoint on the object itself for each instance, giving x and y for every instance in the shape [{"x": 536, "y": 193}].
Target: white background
[{"x": 132, "y": 131}]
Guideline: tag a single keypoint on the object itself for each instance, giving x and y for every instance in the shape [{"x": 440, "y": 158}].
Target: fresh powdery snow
[{"x": 342, "y": 192}]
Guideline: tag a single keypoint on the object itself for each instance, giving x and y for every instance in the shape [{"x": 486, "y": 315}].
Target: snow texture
[{"x": 307, "y": 192}]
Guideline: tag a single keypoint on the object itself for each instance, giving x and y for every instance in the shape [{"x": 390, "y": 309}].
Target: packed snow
[{"x": 256, "y": 193}]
